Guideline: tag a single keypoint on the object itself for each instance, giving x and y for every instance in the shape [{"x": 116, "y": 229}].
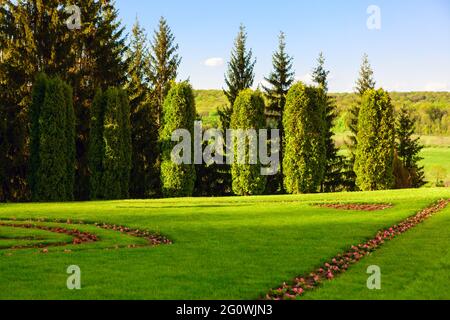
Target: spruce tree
[
  {"x": 320, "y": 74},
  {"x": 164, "y": 63},
  {"x": 376, "y": 138},
  {"x": 305, "y": 128},
  {"x": 240, "y": 74},
  {"x": 177, "y": 180},
  {"x": 144, "y": 178},
  {"x": 32, "y": 40},
  {"x": 409, "y": 148},
  {"x": 333, "y": 177},
  {"x": 365, "y": 81},
  {"x": 248, "y": 114},
  {"x": 280, "y": 80}
]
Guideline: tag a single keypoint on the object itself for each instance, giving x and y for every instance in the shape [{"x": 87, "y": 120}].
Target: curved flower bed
[
  {"x": 79, "y": 237},
  {"x": 341, "y": 262}
]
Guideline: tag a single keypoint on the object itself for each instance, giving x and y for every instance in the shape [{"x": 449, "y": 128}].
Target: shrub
[
  {"x": 304, "y": 127},
  {"x": 248, "y": 113},
  {"x": 376, "y": 138},
  {"x": 177, "y": 180}
]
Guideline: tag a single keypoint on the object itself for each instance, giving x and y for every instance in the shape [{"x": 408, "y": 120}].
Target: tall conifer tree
[
  {"x": 376, "y": 138},
  {"x": 334, "y": 162},
  {"x": 279, "y": 80},
  {"x": 164, "y": 63},
  {"x": 144, "y": 179},
  {"x": 240, "y": 74}
]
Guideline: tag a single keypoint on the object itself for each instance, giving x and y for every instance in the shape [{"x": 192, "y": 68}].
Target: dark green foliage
[
  {"x": 305, "y": 150},
  {"x": 164, "y": 63},
  {"x": 110, "y": 145},
  {"x": 248, "y": 113},
  {"x": 177, "y": 180},
  {"x": 280, "y": 80},
  {"x": 408, "y": 148},
  {"x": 144, "y": 180},
  {"x": 70, "y": 141},
  {"x": 240, "y": 75},
  {"x": 376, "y": 138},
  {"x": 38, "y": 96},
  {"x": 96, "y": 145},
  {"x": 319, "y": 74},
  {"x": 365, "y": 82},
  {"x": 335, "y": 164},
  {"x": 86, "y": 59},
  {"x": 52, "y": 141}
]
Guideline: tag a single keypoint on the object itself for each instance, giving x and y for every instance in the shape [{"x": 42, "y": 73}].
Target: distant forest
[{"x": 431, "y": 109}]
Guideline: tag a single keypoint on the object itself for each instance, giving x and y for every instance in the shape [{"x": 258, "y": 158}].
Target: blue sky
[{"x": 411, "y": 51}]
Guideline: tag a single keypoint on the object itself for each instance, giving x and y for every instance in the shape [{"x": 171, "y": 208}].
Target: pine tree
[
  {"x": 177, "y": 180},
  {"x": 240, "y": 74},
  {"x": 144, "y": 179},
  {"x": 333, "y": 177},
  {"x": 164, "y": 63},
  {"x": 248, "y": 114},
  {"x": 376, "y": 137},
  {"x": 305, "y": 128},
  {"x": 409, "y": 148},
  {"x": 280, "y": 80}
]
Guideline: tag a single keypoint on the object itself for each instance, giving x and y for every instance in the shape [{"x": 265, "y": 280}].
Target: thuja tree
[
  {"x": 375, "y": 140},
  {"x": 52, "y": 141},
  {"x": 110, "y": 145},
  {"x": 177, "y": 180},
  {"x": 305, "y": 127},
  {"x": 248, "y": 114}
]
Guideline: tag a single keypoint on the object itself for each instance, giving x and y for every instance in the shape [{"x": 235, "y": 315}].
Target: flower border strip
[{"x": 341, "y": 262}]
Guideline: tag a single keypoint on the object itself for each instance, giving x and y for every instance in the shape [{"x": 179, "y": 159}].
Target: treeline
[
  {"x": 89, "y": 113},
  {"x": 431, "y": 110}
]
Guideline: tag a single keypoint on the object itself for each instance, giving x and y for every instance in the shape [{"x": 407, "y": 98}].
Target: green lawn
[
  {"x": 414, "y": 266},
  {"x": 224, "y": 248},
  {"x": 433, "y": 158}
]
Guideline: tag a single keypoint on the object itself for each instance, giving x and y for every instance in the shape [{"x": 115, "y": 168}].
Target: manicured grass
[
  {"x": 436, "y": 157},
  {"x": 224, "y": 248},
  {"x": 415, "y": 265}
]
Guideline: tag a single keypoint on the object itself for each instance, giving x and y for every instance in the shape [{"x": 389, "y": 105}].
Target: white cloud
[
  {"x": 437, "y": 86},
  {"x": 213, "y": 62}
]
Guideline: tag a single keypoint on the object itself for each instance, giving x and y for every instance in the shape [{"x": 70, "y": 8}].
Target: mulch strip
[{"x": 341, "y": 262}]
